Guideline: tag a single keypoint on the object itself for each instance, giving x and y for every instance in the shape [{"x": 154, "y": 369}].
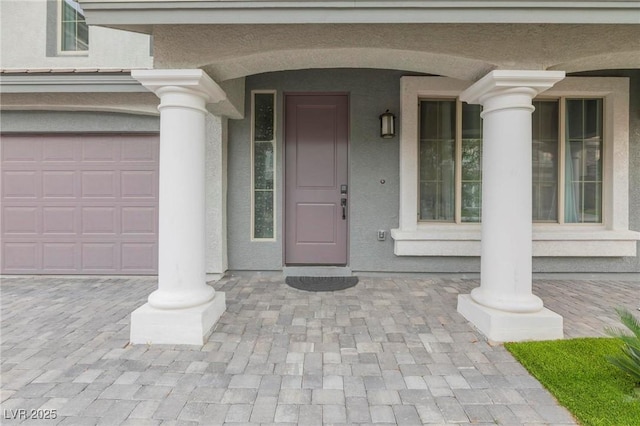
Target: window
[
  {"x": 580, "y": 165},
  {"x": 74, "y": 32},
  {"x": 583, "y": 161},
  {"x": 545, "y": 154},
  {"x": 263, "y": 155},
  {"x": 451, "y": 161}
]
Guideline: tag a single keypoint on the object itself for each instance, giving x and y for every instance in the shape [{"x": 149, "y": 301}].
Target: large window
[
  {"x": 450, "y": 161},
  {"x": 263, "y": 155},
  {"x": 580, "y": 165},
  {"x": 74, "y": 32}
]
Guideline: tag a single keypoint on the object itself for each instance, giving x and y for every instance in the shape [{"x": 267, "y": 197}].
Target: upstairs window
[{"x": 74, "y": 32}]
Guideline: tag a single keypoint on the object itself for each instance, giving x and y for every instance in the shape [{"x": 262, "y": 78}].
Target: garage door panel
[
  {"x": 59, "y": 184},
  {"x": 137, "y": 150},
  {"x": 99, "y": 256},
  {"x": 139, "y": 220},
  {"x": 139, "y": 257},
  {"x": 61, "y": 257},
  {"x": 59, "y": 220},
  {"x": 100, "y": 149},
  {"x": 19, "y": 257},
  {"x": 20, "y": 220},
  {"x": 20, "y": 150},
  {"x": 16, "y": 184},
  {"x": 99, "y": 220},
  {"x": 60, "y": 150},
  {"x": 79, "y": 204},
  {"x": 99, "y": 184},
  {"x": 138, "y": 184}
]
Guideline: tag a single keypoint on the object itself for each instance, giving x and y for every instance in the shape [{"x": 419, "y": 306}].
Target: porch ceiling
[{"x": 465, "y": 51}]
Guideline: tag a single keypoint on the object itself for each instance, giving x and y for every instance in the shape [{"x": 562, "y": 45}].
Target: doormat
[{"x": 321, "y": 283}]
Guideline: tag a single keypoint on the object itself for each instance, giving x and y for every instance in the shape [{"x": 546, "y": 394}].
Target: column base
[
  {"x": 501, "y": 326},
  {"x": 187, "y": 326}
]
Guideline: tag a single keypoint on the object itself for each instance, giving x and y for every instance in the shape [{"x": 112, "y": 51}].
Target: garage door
[{"x": 79, "y": 204}]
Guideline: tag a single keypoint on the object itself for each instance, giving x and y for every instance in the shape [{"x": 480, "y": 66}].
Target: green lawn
[{"x": 576, "y": 372}]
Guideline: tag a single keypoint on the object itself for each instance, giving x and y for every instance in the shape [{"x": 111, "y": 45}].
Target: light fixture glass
[{"x": 387, "y": 125}]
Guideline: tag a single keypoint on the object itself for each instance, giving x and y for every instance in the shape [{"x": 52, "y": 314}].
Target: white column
[
  {"x": 504, "y": 307},
  {"x": 184, "y": 308}
]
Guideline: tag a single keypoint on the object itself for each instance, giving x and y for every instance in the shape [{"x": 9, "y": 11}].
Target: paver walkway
[{"x": 390, "y": 350}]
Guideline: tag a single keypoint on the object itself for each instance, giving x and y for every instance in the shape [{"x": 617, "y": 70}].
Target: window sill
[
  {"x": 548, "y": 241},
  {"x": 73, "y": 53}
]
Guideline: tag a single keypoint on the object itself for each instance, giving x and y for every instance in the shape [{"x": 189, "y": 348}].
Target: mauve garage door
[{"x": 79, "y": 204}]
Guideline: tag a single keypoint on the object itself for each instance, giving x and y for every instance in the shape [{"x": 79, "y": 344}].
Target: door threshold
[{"x": 317, "y": 271}]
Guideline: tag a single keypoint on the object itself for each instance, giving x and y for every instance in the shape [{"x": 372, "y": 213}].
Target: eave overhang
[
  {"x": 142, "y": 15},
  {"x": 77, "y": 81}
]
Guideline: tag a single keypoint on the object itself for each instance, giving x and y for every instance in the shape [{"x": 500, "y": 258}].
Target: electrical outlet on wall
[{"x": 382, "y": 235}]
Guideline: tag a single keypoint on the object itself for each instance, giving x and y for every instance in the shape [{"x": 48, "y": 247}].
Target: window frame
[
  {"x": 274, "y": 141},
  {"x": 610, "y": 238},
  {"x": 59, "y": 33}
]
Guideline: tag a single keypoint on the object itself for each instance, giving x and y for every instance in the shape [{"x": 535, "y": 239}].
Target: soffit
[{"x": 465, "y": 51}]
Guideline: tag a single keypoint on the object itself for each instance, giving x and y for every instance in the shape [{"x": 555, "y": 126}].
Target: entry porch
[{"x": 392, "y": 349}]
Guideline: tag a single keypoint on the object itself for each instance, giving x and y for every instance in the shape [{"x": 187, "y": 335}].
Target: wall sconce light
[{"x": 387, "y": 125}]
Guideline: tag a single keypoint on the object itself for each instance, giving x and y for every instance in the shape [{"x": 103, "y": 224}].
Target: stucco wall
[
  {"x": 373, "y": 205},
  {"x": 65, "y": 121},
  {"x": 28, "y": 34}
]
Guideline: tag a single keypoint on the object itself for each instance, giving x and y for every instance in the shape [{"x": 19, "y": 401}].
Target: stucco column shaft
[
  {"x": 506, "y": 202},
  {"x": 183, "y": 308},
  {"x": 181, "y": 244},
  {"x": 506, "y": 256}
]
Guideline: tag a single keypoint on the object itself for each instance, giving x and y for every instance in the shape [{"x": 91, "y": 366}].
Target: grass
[{"x": 576, "y": 372}]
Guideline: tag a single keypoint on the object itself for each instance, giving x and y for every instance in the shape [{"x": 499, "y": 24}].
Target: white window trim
[
  {"x": 275, "y": 147},
  {"x": 610, "y": 238},
  {"x": 59, "y": 36}
]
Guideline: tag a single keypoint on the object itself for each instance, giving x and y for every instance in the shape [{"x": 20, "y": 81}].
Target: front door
[{"x": 316, "y": 178}]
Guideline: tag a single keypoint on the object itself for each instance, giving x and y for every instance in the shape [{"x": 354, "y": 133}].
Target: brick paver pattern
[{"x": 388, "y": 351}]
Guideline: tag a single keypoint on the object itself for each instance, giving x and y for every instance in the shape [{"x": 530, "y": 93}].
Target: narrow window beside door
[{"x": 263, "y": 155}]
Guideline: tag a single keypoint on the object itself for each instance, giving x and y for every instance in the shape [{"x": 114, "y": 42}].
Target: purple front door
[{"x": 316, "y": 178}]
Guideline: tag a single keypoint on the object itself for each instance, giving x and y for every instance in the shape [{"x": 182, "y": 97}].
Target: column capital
[
  {"x": 193, "y": 81},
  {"x": 507, "y": 81}
]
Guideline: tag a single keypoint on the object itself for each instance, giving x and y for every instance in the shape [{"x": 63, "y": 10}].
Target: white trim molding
[
  {"x": 142, "y": 14},
  {"x": 612, "y": 238}
]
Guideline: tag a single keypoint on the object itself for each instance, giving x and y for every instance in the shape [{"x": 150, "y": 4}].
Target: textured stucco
[
  {"x": 77, "y": 121},
  {"x": 373, "y": 205},
  {"x": 465, "y": 51},
  {"x": 216, "y": 193},
  {"x": 135, "y": 103},
  {"x": 26, "y": 41}
]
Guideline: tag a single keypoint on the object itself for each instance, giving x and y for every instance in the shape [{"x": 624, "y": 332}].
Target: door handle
[{"x": 343, "y": 203}]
